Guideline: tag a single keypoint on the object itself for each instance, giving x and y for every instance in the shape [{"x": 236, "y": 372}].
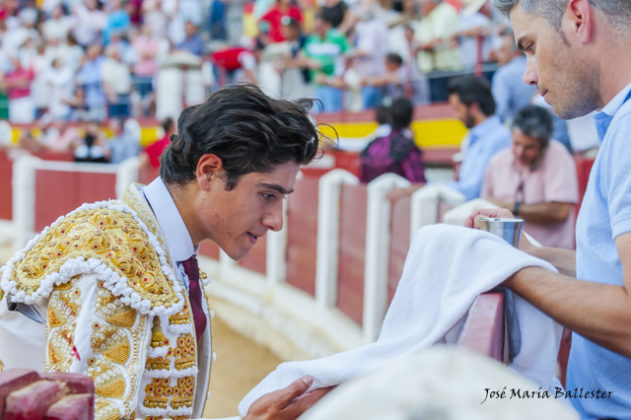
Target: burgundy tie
[{"x": 195, "y": 295}]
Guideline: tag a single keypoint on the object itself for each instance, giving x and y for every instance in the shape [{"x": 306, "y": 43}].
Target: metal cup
[{"x": 507, "y": 229}]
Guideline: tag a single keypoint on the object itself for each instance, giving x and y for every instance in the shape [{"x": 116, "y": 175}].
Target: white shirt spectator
[
  {"x": 372, "y": 43},
  {"x": 116, "y": 76},
  {"x": 58, "y": 25},
  {"x": 59, "y": 79},
  {"x": 89, "y": 22}
]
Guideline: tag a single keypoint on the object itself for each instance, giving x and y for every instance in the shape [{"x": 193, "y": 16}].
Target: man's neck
[{"x": 616, "y": 61}]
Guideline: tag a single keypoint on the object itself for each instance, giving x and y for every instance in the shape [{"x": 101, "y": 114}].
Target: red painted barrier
[
  {"x": 255, "y": 259},
  {"x": 399, "y": 242},
  {"x": 583, "y": 168},
  {"x": 483, "y": 331},
  {"x": 59, "y": 192},
  {"x": 209, "y": 249},
  {"x": 302, "y": 231},
  {"x": 352, "y": 246},
  {"x": 6, "y": 190}
]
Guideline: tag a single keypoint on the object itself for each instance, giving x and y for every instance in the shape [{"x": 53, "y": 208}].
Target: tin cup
[{"x": 505, "y": 228}]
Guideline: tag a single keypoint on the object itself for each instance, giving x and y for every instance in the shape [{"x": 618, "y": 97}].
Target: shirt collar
[
  {"x": 605, "y": 116},
  {"x": 175, "y": 232}
]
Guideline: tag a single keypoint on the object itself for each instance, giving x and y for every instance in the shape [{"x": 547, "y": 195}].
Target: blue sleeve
[{"x": 617, "y": 182}]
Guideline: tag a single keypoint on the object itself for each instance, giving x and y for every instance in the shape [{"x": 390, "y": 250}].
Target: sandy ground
[{"x": 240, "y": 363}]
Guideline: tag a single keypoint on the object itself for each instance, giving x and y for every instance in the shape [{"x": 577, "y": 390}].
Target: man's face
[
  {"x": 567, "y": 82},
  {"x": 463, "y": 112},
  {"x": 238, "y": 218},
  {"x": 526, "y": 150}
]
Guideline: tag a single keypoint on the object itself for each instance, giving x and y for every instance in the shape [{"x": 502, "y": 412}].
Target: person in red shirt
[
  {"x": 271, "y": 22},
  {"x": 150, "y": 158}
]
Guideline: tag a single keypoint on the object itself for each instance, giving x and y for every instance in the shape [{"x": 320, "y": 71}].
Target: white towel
[{"x": 446, "y": 268}]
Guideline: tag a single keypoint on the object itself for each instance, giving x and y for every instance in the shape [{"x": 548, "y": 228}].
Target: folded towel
[{"x": 446, "y": 268}]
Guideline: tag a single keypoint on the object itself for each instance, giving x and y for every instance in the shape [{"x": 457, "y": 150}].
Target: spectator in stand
[
  {"x": 472, "y": 101},
  {"x": 147, "y": 48},
  {"x": 509, "y": 90},
  {"x": 296, "y": 79},
  {"x": 193, "y": 43},
  {"x": 150, "y": 158},
  {"x": 274, "y": 16},
  {"x": 436, "y": 55},
  {"x": 117, "y": 20},
  {"x": 396, "y": 152},
  {"x": 116, "y": 79},
  {"x": 154, "y": 16},
  {"x": 60, "y": 85},
  {"x": 57, "y": 25},
  {"x": 369, "y": 53},
  {"x": 535, "y": 179},
  {"x": 324, "y": 51},
  {"x": 384, "y": 128},
  {"x": 89, "y": 21},
  {"x": 217, "y": 17},
  {"x": 473, "y": 34},
  {"x": 89, "y": 78},
  {"x": 338, "y": 14},
  {"x": 122, "y": 145},
  {"x": 91, "y": 149},
  {"x": 18, "y": 87},
  {"x": 79, "y": 110},
  {"x": 392, "y": 83}
]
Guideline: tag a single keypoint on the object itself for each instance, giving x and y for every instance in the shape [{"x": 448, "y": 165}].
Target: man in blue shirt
[
  {"x": 472, "y": 100},
  {"x": 578, "y": 56},
  {"x": 509, "y": 90}
]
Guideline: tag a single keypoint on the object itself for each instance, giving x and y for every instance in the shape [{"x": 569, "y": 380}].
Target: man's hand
[
  {"x": 473, "y": 219},
  {"x": 474, "y": 222},
  {"x": 286, "y": 403}
]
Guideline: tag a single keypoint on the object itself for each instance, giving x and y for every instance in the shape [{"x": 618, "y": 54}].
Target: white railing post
[
  {"x": 425, "y": 203},
  {"x": 328, "y": 234},
  {"x": 126, "y": 174},
  {"x": 377, "y": 254},
  {"x": 24, "y": 198}
]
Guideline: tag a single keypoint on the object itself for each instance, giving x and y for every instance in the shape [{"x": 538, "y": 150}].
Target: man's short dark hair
[
  {"x": 471, "y": 90},
  {"x": 394, "y": 58},
  {"x": 248, "y": 130},
  {"x": 535, "y": 121},
  {"x": 382, "y": 114},
  {"x": 402, "y": 111}
]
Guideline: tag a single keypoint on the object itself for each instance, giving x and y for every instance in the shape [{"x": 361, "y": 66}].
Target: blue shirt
[
  {"x": 90, "y": 77},
  {"x": 510, "y": 91},
  {"x": 604, "y": 215},
  {"x": 484, "y": 141}
]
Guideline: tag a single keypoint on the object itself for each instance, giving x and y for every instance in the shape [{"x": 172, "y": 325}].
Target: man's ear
[
  {"x": 578, "y": 20},
  {"x": 208, "y": 167}
]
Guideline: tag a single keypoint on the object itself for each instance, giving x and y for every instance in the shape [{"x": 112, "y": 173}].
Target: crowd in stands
[
  {"x": 71, "y": 60},
  {"x": 74, "y": 68}
]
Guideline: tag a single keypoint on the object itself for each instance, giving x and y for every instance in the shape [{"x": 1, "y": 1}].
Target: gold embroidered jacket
[{"x": 112, "y": 307}]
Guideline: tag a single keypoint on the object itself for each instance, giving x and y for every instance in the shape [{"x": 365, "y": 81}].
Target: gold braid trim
[{"x": 108, "y": 235}]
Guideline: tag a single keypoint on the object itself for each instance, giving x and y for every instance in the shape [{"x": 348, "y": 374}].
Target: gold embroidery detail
[
  {"x": 184, "y": 353},
  {"x": 113, "y": 237},
  {"x": 183, "y": 392},
  {"x": 158, "y": 339},
  {"x": 113, "y": 310},
  {"x": 62, "y": 312},
  {"x": 157, "y": 393},
  {"x": 1, "y": 365},
  {"x": 111, "y": 342},
  {"x": 182, "y": 317},
  {"x": 108, "y": 379},
  {"x": 105, "y": 410}
]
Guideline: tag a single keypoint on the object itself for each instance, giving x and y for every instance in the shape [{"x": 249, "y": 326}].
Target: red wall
[
  {"x": 6, "y": 191},
  {"x": 58, "y": 193},
  {"x": 352, "y": 246},
  {"x": 302, "y": 231}
]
